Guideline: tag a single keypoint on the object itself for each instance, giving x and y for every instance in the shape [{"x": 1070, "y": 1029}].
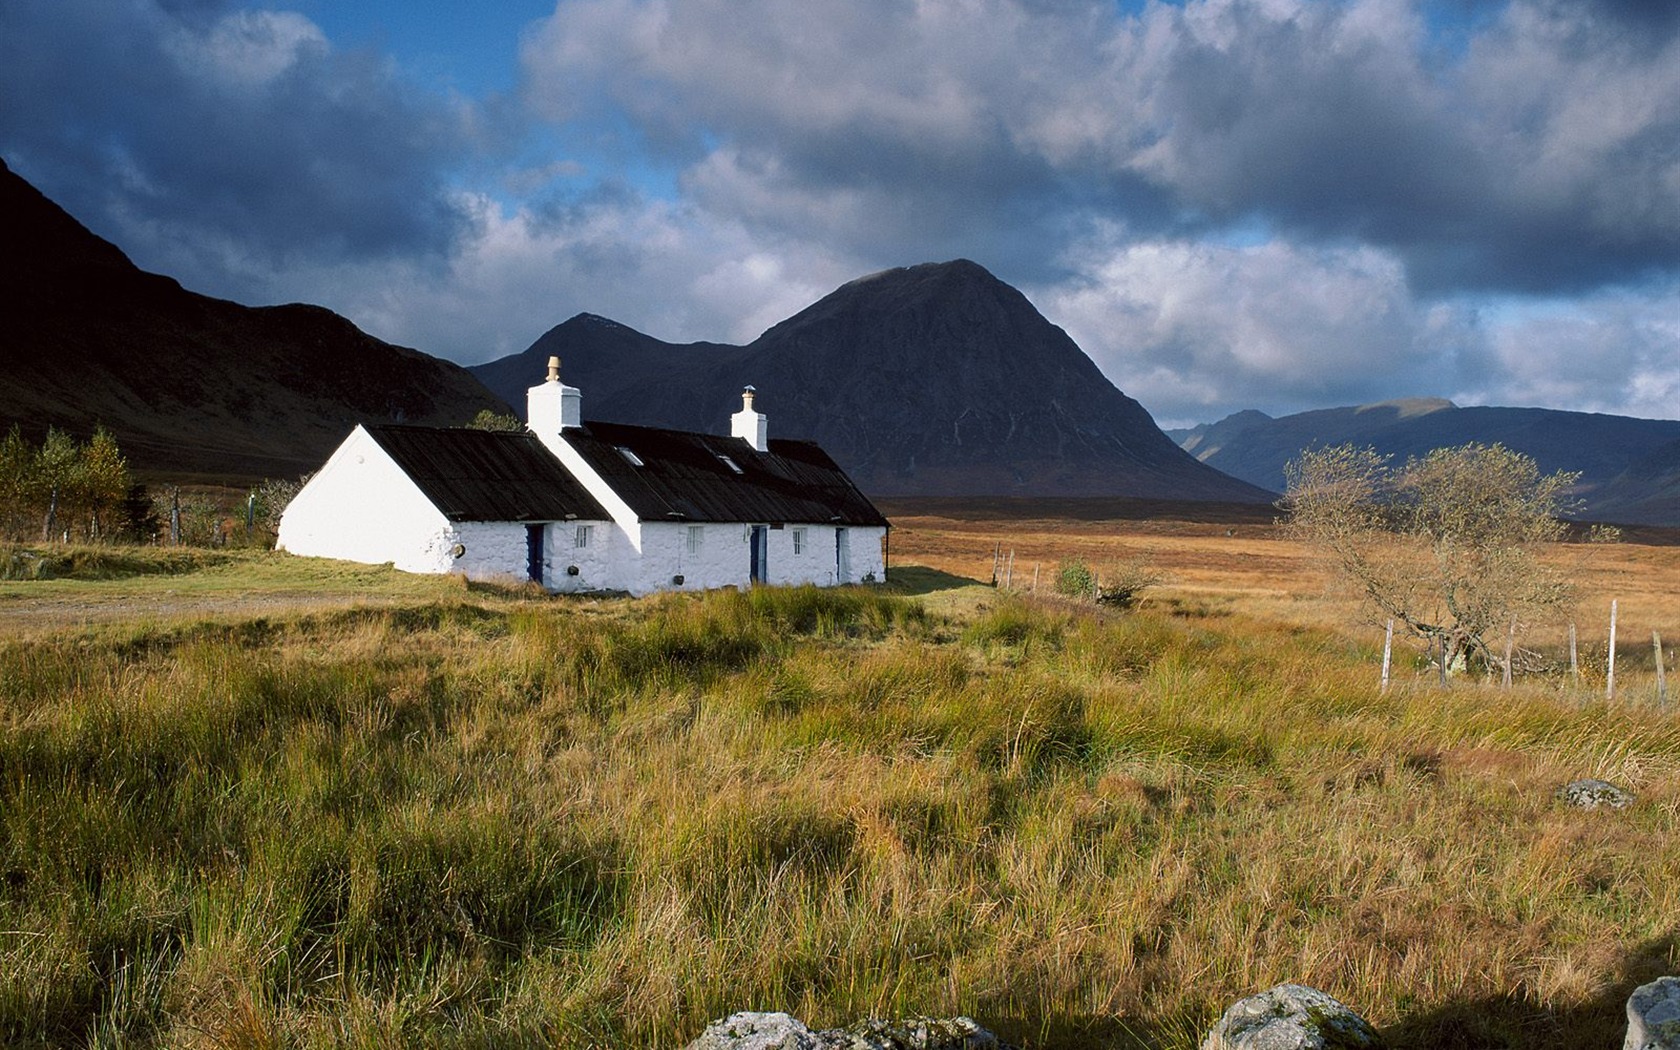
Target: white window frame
[
  {"x": 696, "y": 538},
  {"x": 585, "y": 534},
  {"x": 799, "y": 541}
]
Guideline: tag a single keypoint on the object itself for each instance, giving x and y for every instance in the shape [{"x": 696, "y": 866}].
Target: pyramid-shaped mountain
[
  {"x": 187, "y": 383},
  {"x": 937, "y": 379}
]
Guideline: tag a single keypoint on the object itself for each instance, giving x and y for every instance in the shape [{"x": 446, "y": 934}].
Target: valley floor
[{"x": 247, "y": 800}]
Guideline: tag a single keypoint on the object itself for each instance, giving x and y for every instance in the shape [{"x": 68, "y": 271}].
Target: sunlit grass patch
[{"x": 486, "y": 818}]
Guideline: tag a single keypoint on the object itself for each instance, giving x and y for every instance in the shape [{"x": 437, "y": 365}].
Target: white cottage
[{"x": 592, "y": 506}]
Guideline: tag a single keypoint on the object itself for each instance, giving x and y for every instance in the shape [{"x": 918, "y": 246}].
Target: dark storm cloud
[
  {"x": 1545, "y": 160},
  {"x": 1537, "y": 153},
  {"x": 1230, "y": 203},
  {"x": 222, "y": 143}
]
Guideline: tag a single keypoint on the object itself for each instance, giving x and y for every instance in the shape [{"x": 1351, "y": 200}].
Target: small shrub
[
  {"x": 1075, "y": 579},
  {"x": 1120, "y": 585},
  {"x": 1117, "y": 584}
]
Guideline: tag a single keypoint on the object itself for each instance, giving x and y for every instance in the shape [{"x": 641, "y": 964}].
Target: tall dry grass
[{"x": 496, "y": 821}]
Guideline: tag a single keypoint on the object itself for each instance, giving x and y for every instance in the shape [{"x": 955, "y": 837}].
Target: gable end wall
[{"x": 361, "y": 507}]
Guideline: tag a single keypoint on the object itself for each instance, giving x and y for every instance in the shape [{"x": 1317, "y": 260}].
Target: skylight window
[
  {"x": 730, "y": 463},
  {"x": 629, "y": 456}
]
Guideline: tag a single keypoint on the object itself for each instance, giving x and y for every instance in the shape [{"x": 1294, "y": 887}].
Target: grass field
[{"x": 251, "y": 801}]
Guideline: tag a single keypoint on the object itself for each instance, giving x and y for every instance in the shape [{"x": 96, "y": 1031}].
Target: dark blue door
[
  {"x": 533, "y": 552},
  {"x": 760, "y": 554}
]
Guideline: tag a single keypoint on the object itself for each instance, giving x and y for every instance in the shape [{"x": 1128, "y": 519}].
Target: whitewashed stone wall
[
  {"x": 361, "y": 507},
  {"x": 495, "y": 550},
  {"x": 725, "y": 558},
  {"x": 820, "y": 563},
  {"x": 868, "y": 553},
  {"x": 599, "y": 565}
]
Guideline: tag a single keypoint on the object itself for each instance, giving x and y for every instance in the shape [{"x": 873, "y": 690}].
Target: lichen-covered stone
[
  {"x": 916, "y": 1033},
  {"x": 1594, "y": 794},
  {"x": 1291, "y": 1017},
  {"x": 778, "y": 1031},
  {"x": 757, "y": 1031},
  {"x": 1654, "y": 1016}
]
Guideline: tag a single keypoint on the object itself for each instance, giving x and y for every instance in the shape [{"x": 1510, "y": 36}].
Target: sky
[{"x": 1229, "y": 204}]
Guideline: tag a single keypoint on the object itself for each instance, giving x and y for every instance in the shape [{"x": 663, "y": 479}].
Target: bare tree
[{"x": 1445, "y": 544}]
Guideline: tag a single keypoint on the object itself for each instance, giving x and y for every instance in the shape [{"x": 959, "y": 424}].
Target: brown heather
[{"x": 478, "y": 818}]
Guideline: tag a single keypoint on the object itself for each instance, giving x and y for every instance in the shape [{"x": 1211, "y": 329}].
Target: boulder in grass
[
  {"x": 748, "y": 1030},
  {"x": 1291, "y": 1017},
  {"x": 916, "y": 1033},
  {"x": 1654, "y": 1016},
  {"x": 1594, "y": 794},
  {"x": 778, "y": 1031}
]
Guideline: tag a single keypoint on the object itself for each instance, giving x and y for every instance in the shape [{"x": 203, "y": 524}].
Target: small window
[
  {"x": 799, "y": 541},
  {"x": 629, "y": 456},
  {"x": 730, "y": 463},
  {"x": 696, "y": 537},
  {"x": 585, "y": 533}
]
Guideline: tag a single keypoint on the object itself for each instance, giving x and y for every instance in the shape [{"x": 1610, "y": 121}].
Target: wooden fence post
[
  {"x": 1388, "y": 649},
  {"x": 1574, "y": 661},
  {"x": 1035, "y": 577},
  {"x": 1009, "y": 572},
  {"x": 1510, "y": 643},
  {"x": 1610, "y": 672},
  {"x": 1662, "y": 678}
]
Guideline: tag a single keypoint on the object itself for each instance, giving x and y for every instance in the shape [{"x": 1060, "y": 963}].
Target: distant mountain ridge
[
  {"x": 933, "y": 380},
  {"x": 187, "y": 383},
  {"x": 1630, "y": 468}
]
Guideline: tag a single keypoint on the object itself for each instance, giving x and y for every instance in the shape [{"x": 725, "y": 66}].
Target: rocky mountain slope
[
  {"x": 187, "y": 383},
  {"x": 937, "y": 379},
  {"x": 1646, "y": 493},
  {"x": 1630, "y": 468}
]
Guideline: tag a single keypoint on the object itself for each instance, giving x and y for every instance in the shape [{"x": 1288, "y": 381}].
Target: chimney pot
[
  {"x": 748, "y": 424},
  {"x": 553, "y": 406}
]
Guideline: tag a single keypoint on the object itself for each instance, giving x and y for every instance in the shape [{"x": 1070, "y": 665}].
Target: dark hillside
[{"x": 187, "y": 383}]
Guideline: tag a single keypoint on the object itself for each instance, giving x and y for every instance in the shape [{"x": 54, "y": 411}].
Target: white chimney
[
  {"x": 748, "y": 425},
  {"x": 553, "y": 406}
]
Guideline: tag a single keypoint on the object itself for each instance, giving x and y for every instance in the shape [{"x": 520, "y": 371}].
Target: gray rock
[
  {"x": 778, "y": 1031},
  {"x": 916, "y": 1033},
  {"x": 1594, "y": 794},
  {"x": 757, "y": 1031},
  {"x": 1654, "y": 1016},
  {"x": 1291, "y": 1017}
]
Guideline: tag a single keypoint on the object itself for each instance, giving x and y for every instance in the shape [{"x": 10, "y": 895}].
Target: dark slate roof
[
  {"x": 483, "y": 475},
  {"x": 683, "y": 477}
]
